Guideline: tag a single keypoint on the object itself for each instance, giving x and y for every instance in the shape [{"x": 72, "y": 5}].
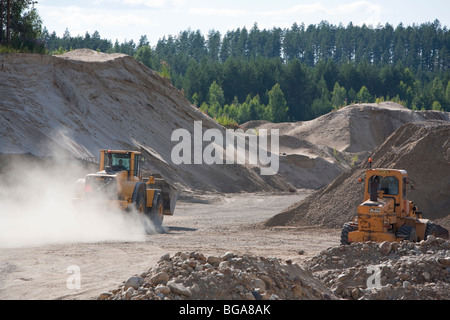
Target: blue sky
[{"x": 129, "y": 19}]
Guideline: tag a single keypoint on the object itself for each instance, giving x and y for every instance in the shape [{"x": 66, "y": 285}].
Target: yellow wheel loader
[
  {"x": 386, "y": 213},
  {"x": 120, "y": 184}
]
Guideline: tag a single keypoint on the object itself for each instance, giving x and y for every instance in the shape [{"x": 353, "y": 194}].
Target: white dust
[{"x": 37, "y": 207}]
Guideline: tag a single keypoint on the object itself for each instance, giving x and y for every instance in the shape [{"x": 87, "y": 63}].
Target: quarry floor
[{"x": 210, "y": 223}]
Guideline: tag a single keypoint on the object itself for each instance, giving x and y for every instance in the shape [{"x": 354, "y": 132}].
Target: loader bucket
[{"x": 169, "y": 195}]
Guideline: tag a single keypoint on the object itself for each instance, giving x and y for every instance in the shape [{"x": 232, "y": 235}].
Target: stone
[
  {"x": 128, "y": 293},
  {"x": 162, "y": 289},
  {"x": 355, "y": 294},
  {"x": 214, "y": 260},
  {"x": 165, "y": 257},
  {"x": 385, "y": 248},
  {"x": 178, "y": 288},
  {"x": 105, "y": 295},
  {"x": 159, "y": 278},
  {"x": 227, "y": 256},
  {"x": 134, "y": 282},
  {"x": 297, "y": 291},
  {"x": 259, "y": 284},
  {"x": 407, "y": 285}
]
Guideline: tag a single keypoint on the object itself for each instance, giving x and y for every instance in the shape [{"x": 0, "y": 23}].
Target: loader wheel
[
  {"x": 141, "y": 204},
  {"x": 407, "y": 233},
  {"x": 431, "y": 229},
  {"x": 345, "y": 231},
  {"x": 157, "y": 214}
]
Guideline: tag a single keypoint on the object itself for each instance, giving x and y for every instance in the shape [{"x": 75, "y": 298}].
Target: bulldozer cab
[
  {"x": 387, "y": 184},
  {"x": 116, "y": 161}
]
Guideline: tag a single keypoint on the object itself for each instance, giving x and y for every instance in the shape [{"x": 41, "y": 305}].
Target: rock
[
  {"x": 407, "y": 285},
  {"x": 105, "y": 295},
  {"x": 227, "y": 256},
  {"x": 444, "y": 261},
  {"x": 134, "y": 282},
  {"x": 159, "y": 278},
  {"x": 259, "y": 284},
  {"x": 128, "y": 293},
  {"x": 297, "y": 291},
  {"x": 214, "y": 260},
  {"x": 267, "y": 280},
  {"x": 355, "y": 294},
  {"x": 337, "y": 289},
  {"x": 165, "y": 257},
  {"x": 257, "y": 295},
  {"x": 178, "y": 288},
  {"x": 249, "y": 296},
  {"x": 385, "y": 248},
  {"x": 223, "y": 265},
  {"x": 162, "y": 289}
]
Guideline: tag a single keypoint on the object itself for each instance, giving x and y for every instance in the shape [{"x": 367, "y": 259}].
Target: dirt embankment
[
  {"x": 84, "y": 101},
  {"x": 422, "y": 149}
]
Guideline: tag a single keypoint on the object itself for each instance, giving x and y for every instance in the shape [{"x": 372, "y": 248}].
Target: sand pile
[
  {"x": 319, "y": 150},
  {"x": 84, "y": 101},
  {"x": 422, "y": 149},
  {"x": 352, "y": 129}
]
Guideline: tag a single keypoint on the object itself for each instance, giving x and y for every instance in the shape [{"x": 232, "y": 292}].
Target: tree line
[
  {"x": 290, "y": 74},
  {"x": 20, "y": 26},
  {"x": 317, "y": 68}
]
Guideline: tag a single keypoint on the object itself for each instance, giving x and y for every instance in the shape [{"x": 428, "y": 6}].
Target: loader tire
[
  {"x": 431, "y": 229},
  {"x": 141, "y": 203},
  {"x": 345, "y": 231},
  {"x": 407, "y": 233},
  {"x": 157, "y": 214}
]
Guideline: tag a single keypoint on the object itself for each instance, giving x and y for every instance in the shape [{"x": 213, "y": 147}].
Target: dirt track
[{"x": 212, "y": 224}]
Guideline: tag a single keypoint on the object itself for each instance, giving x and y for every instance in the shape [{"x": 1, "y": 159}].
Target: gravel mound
[
  {"x": 422, "y": 149},
  {"x": 194, "y": 276},
  {"x": 386, "y": 271},
  {"x": 361, "y": 271}
]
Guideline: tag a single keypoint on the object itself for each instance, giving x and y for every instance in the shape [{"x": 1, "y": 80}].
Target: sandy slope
[{"x": 423, "y": 149}]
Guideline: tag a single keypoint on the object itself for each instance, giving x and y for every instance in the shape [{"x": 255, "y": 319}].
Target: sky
[{"x": 130, "y": 19}]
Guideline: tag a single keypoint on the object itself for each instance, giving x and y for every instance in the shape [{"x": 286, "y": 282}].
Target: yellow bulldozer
[
  {"x": 120, "y": 184},
  {"x": 386, "y": 213}
]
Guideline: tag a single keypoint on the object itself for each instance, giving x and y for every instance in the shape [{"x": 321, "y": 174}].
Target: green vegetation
[
  {"x": 292, "y": 74},
  {"x": 20, "y": 27}
]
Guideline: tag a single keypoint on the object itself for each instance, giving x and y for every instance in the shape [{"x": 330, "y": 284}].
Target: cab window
[
  {"x": 389, "y": 185},
  {"x": 117, "y": 161}
]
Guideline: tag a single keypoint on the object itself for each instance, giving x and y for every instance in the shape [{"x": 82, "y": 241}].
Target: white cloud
[
  {"x": 158, "y": 4},
  {"x": 111, "y": 24},
  {"x": 216, "y": 12}
]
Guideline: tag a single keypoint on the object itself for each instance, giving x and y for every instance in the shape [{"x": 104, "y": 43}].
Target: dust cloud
[{"x": 37, "y": 207}]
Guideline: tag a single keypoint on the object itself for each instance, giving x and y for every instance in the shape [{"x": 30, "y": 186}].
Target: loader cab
[
  {"x": 117, "y": 161},
  {"x": 387, "y": 184}
]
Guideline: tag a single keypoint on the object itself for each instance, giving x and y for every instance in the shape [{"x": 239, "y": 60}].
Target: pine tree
[{"x": 277, "y": 104}]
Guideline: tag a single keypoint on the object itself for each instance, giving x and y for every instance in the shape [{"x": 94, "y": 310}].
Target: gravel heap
[
  {"x": 193, "y": 276},
  {"x": 405, "y": 271},
  {"x": 360, "y": 271}
]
